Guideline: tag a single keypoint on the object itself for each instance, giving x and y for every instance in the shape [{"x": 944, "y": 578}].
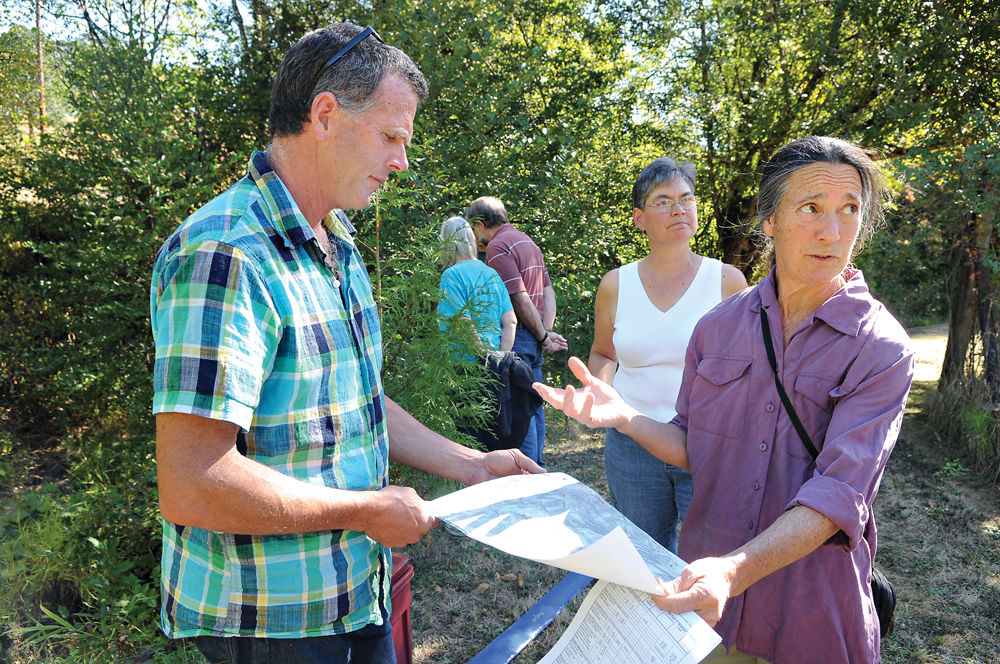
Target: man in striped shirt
[
  {"x": 521, "y": 266},
  {"x": 273, "y": 434}
]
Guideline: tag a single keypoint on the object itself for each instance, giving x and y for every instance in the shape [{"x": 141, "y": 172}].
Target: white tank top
[{"x": 651, "y": 344}]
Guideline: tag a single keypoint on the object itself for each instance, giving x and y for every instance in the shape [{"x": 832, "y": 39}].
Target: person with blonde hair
[{"x": 472, "y": 290}]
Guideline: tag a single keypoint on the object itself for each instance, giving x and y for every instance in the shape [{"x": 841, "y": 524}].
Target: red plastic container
[{"x": 402, "y": 572}]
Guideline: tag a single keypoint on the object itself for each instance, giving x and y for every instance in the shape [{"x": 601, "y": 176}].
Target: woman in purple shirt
[{"x": 782, "y": 545}]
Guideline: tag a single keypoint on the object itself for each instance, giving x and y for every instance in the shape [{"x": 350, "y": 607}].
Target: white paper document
[
  {"x": 554, "y": 519},
  {"x": 619, "y": 625}
]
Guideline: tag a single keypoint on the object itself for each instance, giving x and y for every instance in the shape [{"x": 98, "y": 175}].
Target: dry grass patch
[{"x": 940, "y": 545}]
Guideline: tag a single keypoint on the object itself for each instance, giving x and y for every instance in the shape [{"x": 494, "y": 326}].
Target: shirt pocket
[
  {"x": 719, "y": 393},
  {"x": 814, "y": 403}
]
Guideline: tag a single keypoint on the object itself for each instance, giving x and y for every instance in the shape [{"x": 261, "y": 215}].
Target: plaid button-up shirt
[{"x": 253, "y": 327}]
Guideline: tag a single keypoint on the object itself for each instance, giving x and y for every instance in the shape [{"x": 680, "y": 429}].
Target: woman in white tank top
[{"x": 645, "y": 313}]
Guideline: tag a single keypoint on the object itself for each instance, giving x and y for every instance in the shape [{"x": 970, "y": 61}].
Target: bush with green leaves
[
  {"x": 426, "y": 367},
  {"x": 78, "y": 247},
  {"x": 79, "y": 559}
]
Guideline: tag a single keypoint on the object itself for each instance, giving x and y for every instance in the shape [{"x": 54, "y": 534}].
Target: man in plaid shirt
[{"x": 273, "y": 432}]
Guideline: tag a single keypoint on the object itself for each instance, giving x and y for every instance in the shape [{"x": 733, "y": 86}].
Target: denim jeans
[
  {"x": 372, "y": 643},
  {"x": 653, "y": 495},
  {"x": 530, "y": 351}
]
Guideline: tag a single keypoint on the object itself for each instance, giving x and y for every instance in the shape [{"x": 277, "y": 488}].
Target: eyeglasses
[
  {"x": 667, "y": 205},
  {"x": 347, "y": 49}
]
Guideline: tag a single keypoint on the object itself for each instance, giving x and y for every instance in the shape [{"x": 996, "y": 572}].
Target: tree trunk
[
  {"x": 41, "y": 68},
  {"x": 972, "y": 304},
  {"x": 986, "y": 313},
  {"x": 735, "y": 226},
  {"x": 989, "y": 311},
  {"x": 239, "y": 24},
  {"x": 92, "y": 30}
]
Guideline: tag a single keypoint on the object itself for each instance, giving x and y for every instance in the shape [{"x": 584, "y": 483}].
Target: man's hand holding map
[{"x": 556, "y": 520}]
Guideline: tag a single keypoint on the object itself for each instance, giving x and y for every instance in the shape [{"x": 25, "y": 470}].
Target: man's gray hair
[
  {"x": 824, "y": 149},
  {"x": 458, "y": 241},
  {"x": 488, "y": 210},
  {"x": 660, "y": 172},
  {"x": 353, "y": 79}
]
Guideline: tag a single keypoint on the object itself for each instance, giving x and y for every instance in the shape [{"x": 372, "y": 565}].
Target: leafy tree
[
  {"x": 530, "y": 103},
  {"x": 136, "y": 160},
  {"x": 18, "y": 104},
  {"x": 19, "y": 101},
  {"x": 959, "y": 185},
  {"x": 753, "y": 75}
]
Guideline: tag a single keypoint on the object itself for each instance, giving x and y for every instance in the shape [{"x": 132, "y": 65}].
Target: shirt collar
[
  {"x": 288, "y": 220},
  {"x": 845, "y": 311}
]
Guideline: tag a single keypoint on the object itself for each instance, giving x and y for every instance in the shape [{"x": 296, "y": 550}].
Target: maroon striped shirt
[{"x": 519, "y": 261}]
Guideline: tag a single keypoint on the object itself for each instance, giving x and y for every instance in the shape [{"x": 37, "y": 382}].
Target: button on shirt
[
  {"x": 847, "y": 370},
  {"x": 252, "y": 326}
]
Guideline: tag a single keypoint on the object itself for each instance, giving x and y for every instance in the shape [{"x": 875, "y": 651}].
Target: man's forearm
[
  {"x": 548, "y": 307},
  {"x": 527, "y": 315},
  {"x": 205, "y": 482},
  {"x": 508, "y": 330},
  {"x": 413, "y": 444}
]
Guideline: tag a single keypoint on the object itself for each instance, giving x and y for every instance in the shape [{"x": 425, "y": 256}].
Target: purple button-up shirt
[{"x": 847, "y": 371}]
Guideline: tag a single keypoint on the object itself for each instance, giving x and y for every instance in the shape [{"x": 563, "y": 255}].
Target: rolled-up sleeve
[
  {"x": 683, "y": 402},
  {"x": 863, "y": 429}
]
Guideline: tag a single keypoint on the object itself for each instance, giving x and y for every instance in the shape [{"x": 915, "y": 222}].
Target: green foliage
[
  {"x": 953, "y": 468},
  {"x": 19, "y": 99},
  {"x": 552, "y": 105},
  {"x": 963, "y": 416},
  {"x": 530, "y": 102},
  {"x": 906, "y": 264},
  {"x": 19, "y": 85},
  {"x": 749, "y": 76},
  {"x": 137, "y": 160},
  {"x": 79, "y": 562},
  {"x": 425, "y": 368},
  {"x": 953, "y": 194}
]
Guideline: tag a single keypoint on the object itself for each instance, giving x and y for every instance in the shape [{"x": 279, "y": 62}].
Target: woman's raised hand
[{"x": 594, "y": 404}]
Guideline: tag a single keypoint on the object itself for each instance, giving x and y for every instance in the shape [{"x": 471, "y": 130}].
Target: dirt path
[
  {"x": 939, "y": 536},
  {"x": 929, "y": 343},
  {"x": 939, "y": 542}
]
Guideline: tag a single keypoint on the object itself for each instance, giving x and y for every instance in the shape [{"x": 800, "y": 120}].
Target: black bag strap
[
  {"x": 883, "y": 593},
  {"x": 796, "y": 422}
]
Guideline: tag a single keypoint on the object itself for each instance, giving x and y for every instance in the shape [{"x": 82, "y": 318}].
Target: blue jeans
[
  {"x": 372, "y": 643},
  {"x": 530, "y": 351},
  {"x": 653, "y": 495}
]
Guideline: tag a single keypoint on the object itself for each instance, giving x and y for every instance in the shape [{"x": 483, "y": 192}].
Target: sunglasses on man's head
[{"x": 360, "y": 37}]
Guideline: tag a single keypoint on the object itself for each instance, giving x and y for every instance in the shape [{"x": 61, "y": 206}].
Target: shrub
[
  {"x": 79, "y": 563},
  {"x": 424, "y": 369},
  {"x": 962, "y": 414}
]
